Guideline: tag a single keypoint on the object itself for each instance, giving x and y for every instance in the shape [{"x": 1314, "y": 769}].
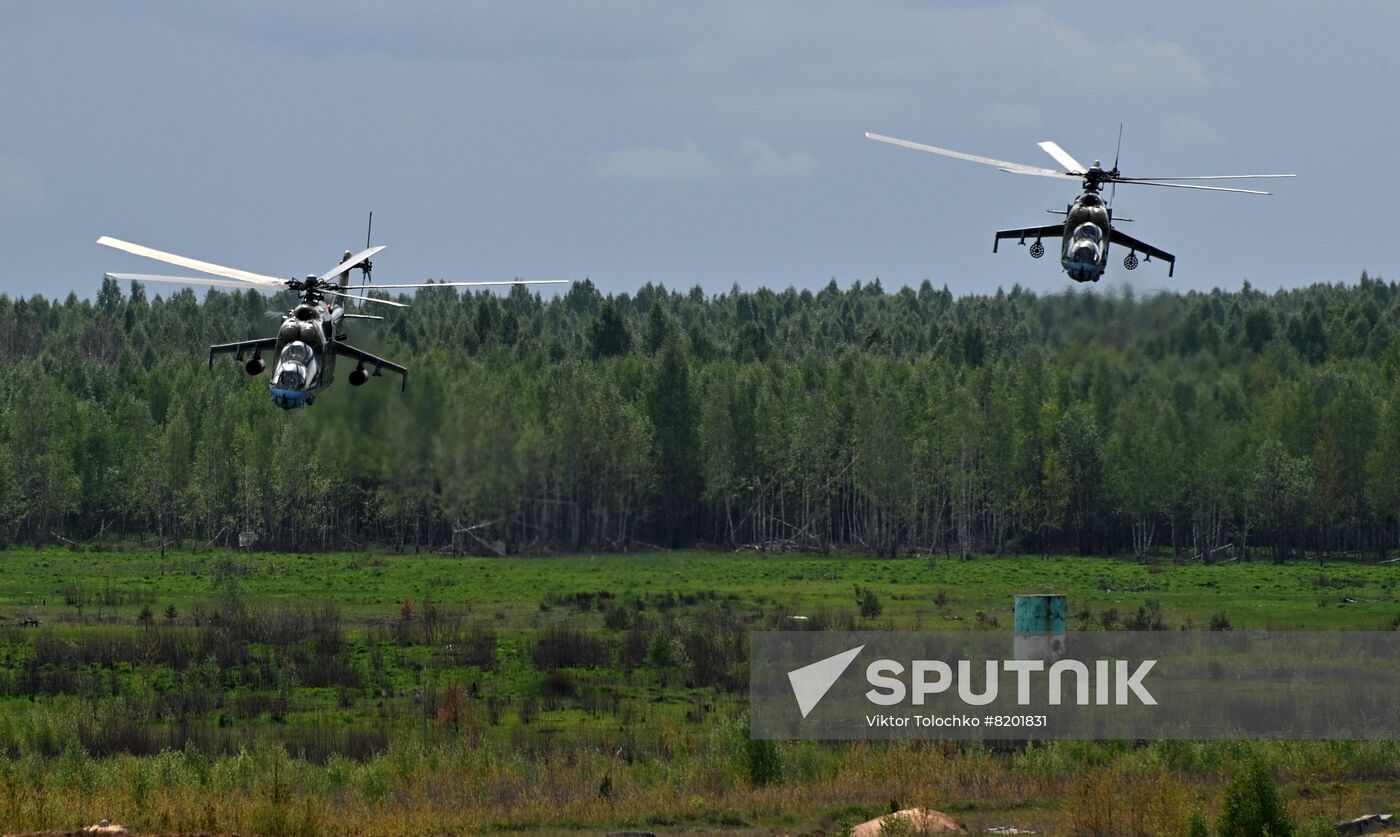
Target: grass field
[
  {"x": 292, "y": 694},
  {"x": 1296, "y": 596}
]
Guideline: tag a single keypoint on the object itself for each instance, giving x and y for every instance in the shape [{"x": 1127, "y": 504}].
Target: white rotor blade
[
  {"x": 363, "y": 298},
  {"x": 1188, "y": 186},
  {"x": 376, "y": 285},
  {"x": 1209, "y": 177},
  {"x": 1014, "y": 168},
  {"x": 182, "y": 280},
  {"x": 350, "y": 262},
  {"x": 1063, "y": 157},
  {"x": 192, "y": 264}
]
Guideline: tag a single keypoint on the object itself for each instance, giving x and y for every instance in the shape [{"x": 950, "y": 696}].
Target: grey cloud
[
  {"x": 1188, "y": 131},
  {"x": 754, "y": 158},
  {"x": 651, "y": 164}
]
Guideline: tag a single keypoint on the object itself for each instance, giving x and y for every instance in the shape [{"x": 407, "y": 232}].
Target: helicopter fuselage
[
  {"x": 1085, "y": 237},
  {"x": 306, "y": 346},
  {"x": 1084, "y": 246},
  {"x": 304, "y": 366}
]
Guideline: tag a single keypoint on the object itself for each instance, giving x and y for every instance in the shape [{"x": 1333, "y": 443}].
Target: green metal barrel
[
  {"x": 1040, "y": 614},
  {"x": 1040, "y": 627}
]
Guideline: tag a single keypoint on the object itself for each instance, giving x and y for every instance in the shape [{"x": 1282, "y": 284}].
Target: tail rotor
[{"x": 367, "y": 266}]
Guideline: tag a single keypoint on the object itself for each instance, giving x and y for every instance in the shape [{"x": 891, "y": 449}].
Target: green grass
[
  {"x": 1295, "y": 596},
  {"x": 533, "y": 745}
]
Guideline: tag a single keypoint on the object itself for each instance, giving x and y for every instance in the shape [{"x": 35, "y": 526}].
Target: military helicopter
[
  {"x": 1088, "y": 227},
  {"x": 311, "y": 336}
]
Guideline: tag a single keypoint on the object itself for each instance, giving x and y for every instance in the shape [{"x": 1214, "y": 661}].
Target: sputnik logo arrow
[{"x": 811, "y": 682}]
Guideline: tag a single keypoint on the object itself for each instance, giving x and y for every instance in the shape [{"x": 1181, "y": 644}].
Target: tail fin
[{"x": 344, "y": 278}]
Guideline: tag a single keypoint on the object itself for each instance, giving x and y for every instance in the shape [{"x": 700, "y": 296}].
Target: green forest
[{"x": 1214, "y": 426}]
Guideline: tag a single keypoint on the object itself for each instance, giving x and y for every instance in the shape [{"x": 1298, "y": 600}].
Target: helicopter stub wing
[
  {"x": 366, "y": 359},
  {"x": 237, "y": 349},
  {"x": 1050, "y": 231},
  {"x": 1124, "y": 240}
]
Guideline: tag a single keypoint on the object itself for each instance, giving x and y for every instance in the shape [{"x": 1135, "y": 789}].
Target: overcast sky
[{"x": 704, "y": 143}]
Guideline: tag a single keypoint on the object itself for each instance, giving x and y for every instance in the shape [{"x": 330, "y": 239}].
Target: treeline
[{"x": 1213, "y": 425}]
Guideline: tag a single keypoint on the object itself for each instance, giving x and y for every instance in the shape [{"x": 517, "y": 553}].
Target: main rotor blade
[
  {"x": 192, "y": 264},
  {"x": 350, "y": 262},
  {"x": 182, "y": 280},
  {"x": 363, "y": 298},
  {"x": 1062, "y": 157},
  {"x": 1189, "y": 186},
  {"x": 1210, "y": 177},
  {"x": 1014, "y": 168},
  {"x": 378, "y": 286}
]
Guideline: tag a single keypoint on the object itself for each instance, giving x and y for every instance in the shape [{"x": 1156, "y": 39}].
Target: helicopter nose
[
  {"x": 1080, "y": 271},
  {"x": 288, "y": 399}
]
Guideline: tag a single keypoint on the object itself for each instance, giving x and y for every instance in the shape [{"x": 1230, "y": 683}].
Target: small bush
[
  {"x": 561, "y": 646},
  {"x": 1148, "y": 618},
  {"x": 1252, "y": 807},
  {"x": 662, "y": 651},
  {"x": 278, "y": 819},
  {"x": 1317, "y": 827},
  {"x": 450, "y": 710},
  {"x": 868, "y": 602},
  {"x": 560, "y": 684},
  {"x": 617, "y": 618},
  {"x": 765, "y": 762},
  {"x": 1197, "y": 827}
]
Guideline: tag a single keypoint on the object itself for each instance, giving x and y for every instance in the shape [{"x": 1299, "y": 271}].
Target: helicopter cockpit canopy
[
  {"x": 1085, "y": 243},
  {"x": 296, "y": 367}
]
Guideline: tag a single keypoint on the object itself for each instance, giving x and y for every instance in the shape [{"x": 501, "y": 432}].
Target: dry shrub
[{"x": 1128, "y": 801}]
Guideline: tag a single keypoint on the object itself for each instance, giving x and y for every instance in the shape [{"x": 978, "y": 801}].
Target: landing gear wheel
[
  {"x": 1037, "y": 250},
  {"x": 1130, "y": 261}
]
